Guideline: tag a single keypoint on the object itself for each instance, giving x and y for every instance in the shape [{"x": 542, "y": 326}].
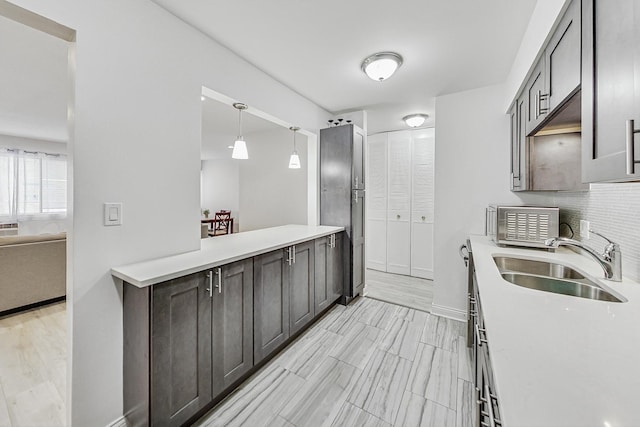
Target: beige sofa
[{"x": 33, "y": 269}]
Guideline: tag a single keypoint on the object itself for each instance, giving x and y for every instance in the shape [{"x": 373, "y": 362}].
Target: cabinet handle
[
  {"x": 424, "y": 217},
  {"x": 210, "y": 288},
  {"x": 355, "y": 196},
  {"x": 294, "y": 253},
  {"x": 397, "y": 216},
  {"x": 289, "y": 258},
  {"x": 539, "y": 97},
  {"x": 356, "y": 181},
  {"x": 219, "y": 285},
  {"x": 478, "y": 337},
  {"x": 631, "y": 152}
]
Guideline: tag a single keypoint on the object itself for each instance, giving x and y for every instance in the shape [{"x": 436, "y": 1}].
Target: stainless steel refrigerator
[{"x": 342, "y": 196}]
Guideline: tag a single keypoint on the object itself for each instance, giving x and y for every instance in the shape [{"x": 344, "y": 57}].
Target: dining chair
[{"x": 222, "y": 223}]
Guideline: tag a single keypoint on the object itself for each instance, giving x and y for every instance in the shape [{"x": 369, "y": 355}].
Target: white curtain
[{"x": 33, "y": 185}]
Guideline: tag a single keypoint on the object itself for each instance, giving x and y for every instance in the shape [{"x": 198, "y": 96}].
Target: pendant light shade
[
  {"x": 240, "y": 147},
  {"x": 294, "y": 160},
  {"x": 240, "y": 150},
  {"x": 415, "y": 120},
  {"x": 380, "y": 66}
]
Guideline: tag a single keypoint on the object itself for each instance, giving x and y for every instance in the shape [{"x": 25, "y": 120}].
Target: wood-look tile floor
[
  {"x": 33, "y": 366},
  {"x": 368, "y": 364},
  {"x": 407, "y": 291}
]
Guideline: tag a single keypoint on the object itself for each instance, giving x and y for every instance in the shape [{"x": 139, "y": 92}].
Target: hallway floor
[
  {"x": 369, "y": 364},
  {"x": 412, "y": 292},
  {"x": 33, "y": 367}
]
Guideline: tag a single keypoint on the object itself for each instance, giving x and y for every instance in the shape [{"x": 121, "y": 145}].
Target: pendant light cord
[{"x": 240, "y": 123}]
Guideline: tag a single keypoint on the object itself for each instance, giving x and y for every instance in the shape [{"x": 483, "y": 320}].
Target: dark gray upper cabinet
[
  {"x": 518, "y": 145},
  {"x": 610, "y": 90},
  {"x": 328, "y": 271},
  {"x": 302, "y": 286},
  {"x": 180, "y": 349},
  {"x": 270, "y": 302},
  {"x": 562, "y": 58},
  {"x": 232, "y": 323},
  {"x": 537, "y": 100}
]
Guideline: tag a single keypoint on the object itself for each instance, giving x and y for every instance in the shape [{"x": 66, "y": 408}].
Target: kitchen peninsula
[{"x": 198, "y": 324}]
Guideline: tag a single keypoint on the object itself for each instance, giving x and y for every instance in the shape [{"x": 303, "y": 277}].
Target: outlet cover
[{"x": 584, "y": 229}]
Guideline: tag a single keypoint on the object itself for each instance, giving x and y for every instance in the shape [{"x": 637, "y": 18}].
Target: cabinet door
[
  {"x": 537, "y": 103},
  {"x": 610, "y": 90},
  {"x": 399, "y": 204},
  {"x": 377, "y": 202},
  {"x": 562, "y": 58},
  {"x": 181, "y": 349},
  {"x": 422, "y": 203},
  {"x": 232, "y": 323},
  {"x": 270, "y": 303},
  {"x": 358, "y": 158},
  {"x": 335, "y": 175},
  {"x": 357, "y": 243},
  {"x": 301, "y": 287},
  {"x": 335, "y": 267},
  {"x": 515, "y": 148},
  {"x": 323, "y": 294}
]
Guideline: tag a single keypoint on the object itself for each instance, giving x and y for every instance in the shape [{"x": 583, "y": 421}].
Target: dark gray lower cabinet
[
  {"x": 270, "y": 302},
  {"x": 328, "y": 271},
  {"x": 180, "y": 349},
  {"x": 301, "y": 286},
  {"x": 187, "y": 340},
  {"x": 232, "y": 323}
]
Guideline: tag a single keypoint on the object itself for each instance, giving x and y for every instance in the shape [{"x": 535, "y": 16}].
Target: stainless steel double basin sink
[{"x": 551, "y": 277}]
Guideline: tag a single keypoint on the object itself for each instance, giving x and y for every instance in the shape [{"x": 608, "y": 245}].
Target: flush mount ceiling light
[
  {"x": 294, "y": 161},
  {"x": 415, "y": 120},
  {"x": 380, "y": 66},
  {"x": 240, "y": 147}
]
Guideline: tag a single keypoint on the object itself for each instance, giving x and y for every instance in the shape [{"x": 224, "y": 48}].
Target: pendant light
[
  {"x": 294, "y": 160},
  {"x": 240, "y": 147},
  {"x": 415, "y": 120},
  {"x": 380, "y": 66}
]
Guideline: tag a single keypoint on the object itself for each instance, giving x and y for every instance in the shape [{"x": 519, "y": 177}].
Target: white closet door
[
  {"x": 422, "y": 210},
  {"x": 376, "y": 198},
  {"x": 399, "y": 203}
]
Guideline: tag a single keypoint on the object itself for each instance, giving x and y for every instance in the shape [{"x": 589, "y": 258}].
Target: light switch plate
[
  {"x": 584, "y": 229},
  {"x": 112, "y": 214}
]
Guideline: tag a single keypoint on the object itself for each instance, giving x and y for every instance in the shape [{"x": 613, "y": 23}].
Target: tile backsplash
[{"x": 612, "y": 209}]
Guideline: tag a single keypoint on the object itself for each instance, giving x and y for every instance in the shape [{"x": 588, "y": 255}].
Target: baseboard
[
  {"x": 120, "y": 422},
  {"x": 451, "y": 313}
]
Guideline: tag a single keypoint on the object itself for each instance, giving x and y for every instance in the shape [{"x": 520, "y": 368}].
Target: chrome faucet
[{"x": 610, "y": 260}]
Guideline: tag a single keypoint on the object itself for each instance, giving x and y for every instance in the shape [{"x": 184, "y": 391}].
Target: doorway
[{"x": 36, "y": 81}]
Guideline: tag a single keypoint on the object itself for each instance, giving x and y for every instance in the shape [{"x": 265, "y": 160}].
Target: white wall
[
  {"x": 471, "y": 171},
  {"x": 271, "y": 194},
  {"x": 221, "y": 186},
  {"x": 139, "y": 76}
]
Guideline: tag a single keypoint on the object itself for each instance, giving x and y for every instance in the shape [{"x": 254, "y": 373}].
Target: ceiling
[
  {"x": 33, "y": 83},
  {"x": 316, "y": 47}
]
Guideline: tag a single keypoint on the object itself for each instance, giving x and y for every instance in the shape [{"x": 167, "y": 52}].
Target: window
[{"x": 32, "y": 185}]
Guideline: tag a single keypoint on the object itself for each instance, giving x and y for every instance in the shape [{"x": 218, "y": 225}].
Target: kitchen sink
[
  {"x": 541, "y": 268},
  {"x": 552, "y": 277}
]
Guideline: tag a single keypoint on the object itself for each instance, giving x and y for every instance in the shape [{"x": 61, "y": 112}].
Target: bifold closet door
[
  {"x": 422, "y": 206},
  {"x": 377, "y": 202},
  {"x": 399, "y": 203}
]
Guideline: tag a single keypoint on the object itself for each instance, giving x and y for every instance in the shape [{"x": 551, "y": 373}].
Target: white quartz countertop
[
  {"x": 219, "y": 250},
  {"x": 560, "y": 360}
]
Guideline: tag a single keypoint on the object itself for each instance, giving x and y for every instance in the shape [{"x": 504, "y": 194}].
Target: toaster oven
[{"x": 526, "y": 226}]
